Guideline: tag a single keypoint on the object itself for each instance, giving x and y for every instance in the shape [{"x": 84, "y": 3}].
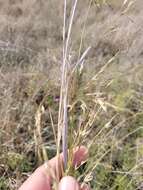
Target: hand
[{"x": 41, "y": 180}]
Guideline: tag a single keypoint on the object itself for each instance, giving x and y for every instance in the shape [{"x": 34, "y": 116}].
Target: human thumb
[{"x": 69, "y": 183}]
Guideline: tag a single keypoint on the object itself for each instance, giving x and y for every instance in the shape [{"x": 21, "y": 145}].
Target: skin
[{"x": 41, "y": 179}]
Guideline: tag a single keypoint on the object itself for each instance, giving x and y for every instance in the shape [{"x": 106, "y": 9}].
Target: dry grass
[{"x": 107, "y": 108}]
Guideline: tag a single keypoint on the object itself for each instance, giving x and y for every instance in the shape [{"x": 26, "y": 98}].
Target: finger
[
  {"x": 80, "y": 155},
  {"x": 41, "y": 178},
  {"x": 69, "y": 183},
  {"x": 85, "y": 187},
  {"x": 37, "y": 181}
]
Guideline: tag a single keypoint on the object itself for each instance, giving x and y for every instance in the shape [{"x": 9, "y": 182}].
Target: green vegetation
[{"x": 3, "y": 184}]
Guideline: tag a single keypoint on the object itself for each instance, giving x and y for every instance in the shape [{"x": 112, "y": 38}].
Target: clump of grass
[
  {"x": 103, "y": 111},
  {"x": 3, "y": 184},
  {"x": 67, "y": 71}
]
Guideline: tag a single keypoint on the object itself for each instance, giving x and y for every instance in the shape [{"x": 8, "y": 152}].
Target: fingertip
[
  {"x": 80, "y": 155},
  {"x": 69, "y": 183},
  {"x": 85, "y": 187}
]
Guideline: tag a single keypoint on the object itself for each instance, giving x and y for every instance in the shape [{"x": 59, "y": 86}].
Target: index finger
[{"x": 41, "y": 178}]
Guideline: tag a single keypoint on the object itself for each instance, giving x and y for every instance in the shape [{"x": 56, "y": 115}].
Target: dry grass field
[{"x": 109, "y": 88}]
